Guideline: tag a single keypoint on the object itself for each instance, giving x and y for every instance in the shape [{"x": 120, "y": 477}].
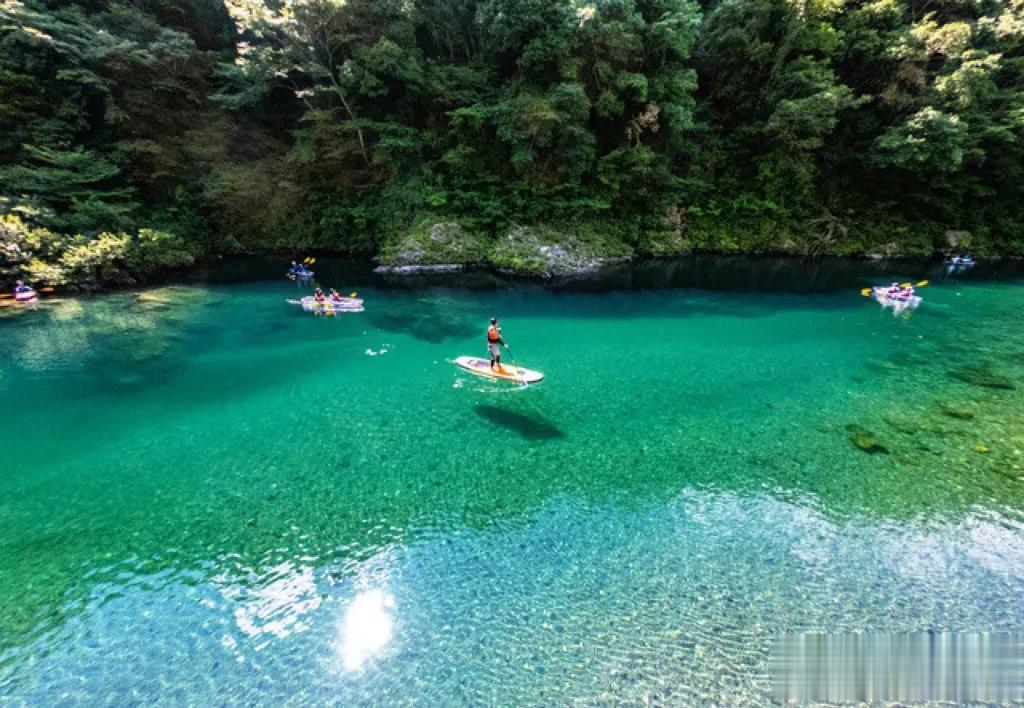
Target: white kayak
[
  {"x": 328, "y": 306},
  {"x": 25, "y": 296},
  {"x": 504, "y": 372},
  {"x": 896, "y": 302}
]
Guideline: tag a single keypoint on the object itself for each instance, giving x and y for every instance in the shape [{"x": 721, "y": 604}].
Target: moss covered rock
[
  {"x": 665, "y": 238},
  {"x": 983, "y": 376},
  {"x": 553, "y": 251},
  {"x": 434, "y": 241},
  {"x": 864, "y": 440},
  {"x": 953, "y": 411}
]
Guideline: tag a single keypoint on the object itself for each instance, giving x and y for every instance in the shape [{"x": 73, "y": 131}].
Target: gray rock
[
  {"x": 418, "y": 269},
  {"x": 955, "y": 239}
]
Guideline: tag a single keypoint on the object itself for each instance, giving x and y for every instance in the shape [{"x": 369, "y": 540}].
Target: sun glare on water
[{"x": 367, "y": 628}]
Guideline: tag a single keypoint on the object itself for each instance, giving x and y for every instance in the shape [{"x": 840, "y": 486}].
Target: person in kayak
[
  {"x": 318, "y": 295},
  {"x": 894, "y": 290},
  {"x": 494, "y": 341},
  {"x": 22, "y": 292},
  {"x": 335, "y": 296},
  {"x": 907, "y": 292}
]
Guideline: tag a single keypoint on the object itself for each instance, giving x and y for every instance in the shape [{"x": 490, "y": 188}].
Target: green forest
[{"x": 139, "y": 135}]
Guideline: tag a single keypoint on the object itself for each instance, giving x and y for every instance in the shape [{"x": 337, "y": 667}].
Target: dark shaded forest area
[{"x": 136, "y": 136}]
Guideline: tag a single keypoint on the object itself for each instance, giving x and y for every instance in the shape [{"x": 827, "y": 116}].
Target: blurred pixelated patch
[{"x": 957, "y": 667}]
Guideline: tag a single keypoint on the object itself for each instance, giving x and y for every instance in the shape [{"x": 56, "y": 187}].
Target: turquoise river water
[{"x": 208, "y": 497}]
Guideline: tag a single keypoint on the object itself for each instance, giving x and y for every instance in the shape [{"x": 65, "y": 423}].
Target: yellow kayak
[{"x": 505, "y": 372}]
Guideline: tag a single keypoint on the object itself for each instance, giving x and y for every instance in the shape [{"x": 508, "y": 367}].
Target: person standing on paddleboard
[{"x": 494, "y": 341}]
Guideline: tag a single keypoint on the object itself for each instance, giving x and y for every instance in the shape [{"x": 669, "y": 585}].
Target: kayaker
[
  {"x": 22, "y": 292},
  {"x": 318, "y": 295},
  {"x": 494, "y": 341},
  {"x": 294, "y": 270},
  {"x": 894, "y": 290},
  {"x": 907, "y": 292},
  {"x": 335, "y": 295}
]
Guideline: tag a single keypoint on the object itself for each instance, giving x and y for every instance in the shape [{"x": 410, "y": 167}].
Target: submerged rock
[
  {"x": 957, "y": 412},
  {"x": 864, "y": 440},
  {"x": 905, "y": 426},
  {"x": 982, "y": 375},
  {"x": 170, "y": 297},
  {"x": 67, "y": 310}
]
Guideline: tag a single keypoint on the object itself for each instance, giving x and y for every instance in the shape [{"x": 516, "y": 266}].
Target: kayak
[
  {"x": 25, "y": 296},
  {"x": 895, "y": 301},
  {"x": 302, "y": 275},
  {"x": 329, "y": 307},
  {"x": 505, "y": 372}
]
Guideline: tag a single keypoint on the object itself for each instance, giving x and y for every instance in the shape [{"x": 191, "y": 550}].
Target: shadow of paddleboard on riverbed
[{"x": 528, "y": 426}]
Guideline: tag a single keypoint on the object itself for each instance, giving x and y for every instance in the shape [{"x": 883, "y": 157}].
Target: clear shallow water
[{"x": 209, "y": 497}]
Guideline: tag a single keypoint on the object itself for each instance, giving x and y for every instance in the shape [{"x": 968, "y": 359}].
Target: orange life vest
[{"x": 493, "y": 335}]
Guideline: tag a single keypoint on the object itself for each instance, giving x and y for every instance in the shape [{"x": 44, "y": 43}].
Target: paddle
[
  {"x": 867, "y": 291},
  {"x": 296, "y": 275},
  {"x": 519, "y": 370}
]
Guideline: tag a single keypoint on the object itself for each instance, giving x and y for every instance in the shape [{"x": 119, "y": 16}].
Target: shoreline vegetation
[{"x": 539, "y": 139}]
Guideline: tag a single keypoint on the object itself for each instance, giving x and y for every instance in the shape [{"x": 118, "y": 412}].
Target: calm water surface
[{"x": 208, "y": 497}]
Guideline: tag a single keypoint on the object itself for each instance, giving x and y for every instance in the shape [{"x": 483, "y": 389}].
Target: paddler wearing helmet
[{"x": 494, "y": 341}]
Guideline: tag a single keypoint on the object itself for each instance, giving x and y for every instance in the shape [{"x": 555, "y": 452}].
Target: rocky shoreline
[
  {"x": 432, "y": 245},
  {"x": 551, "y": 269}
]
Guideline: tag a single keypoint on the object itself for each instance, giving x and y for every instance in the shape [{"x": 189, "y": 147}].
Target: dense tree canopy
[{"x": 808, "y": 126}]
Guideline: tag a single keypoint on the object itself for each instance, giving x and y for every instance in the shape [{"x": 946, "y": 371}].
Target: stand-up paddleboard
[{"x": 505, "y": 372}]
